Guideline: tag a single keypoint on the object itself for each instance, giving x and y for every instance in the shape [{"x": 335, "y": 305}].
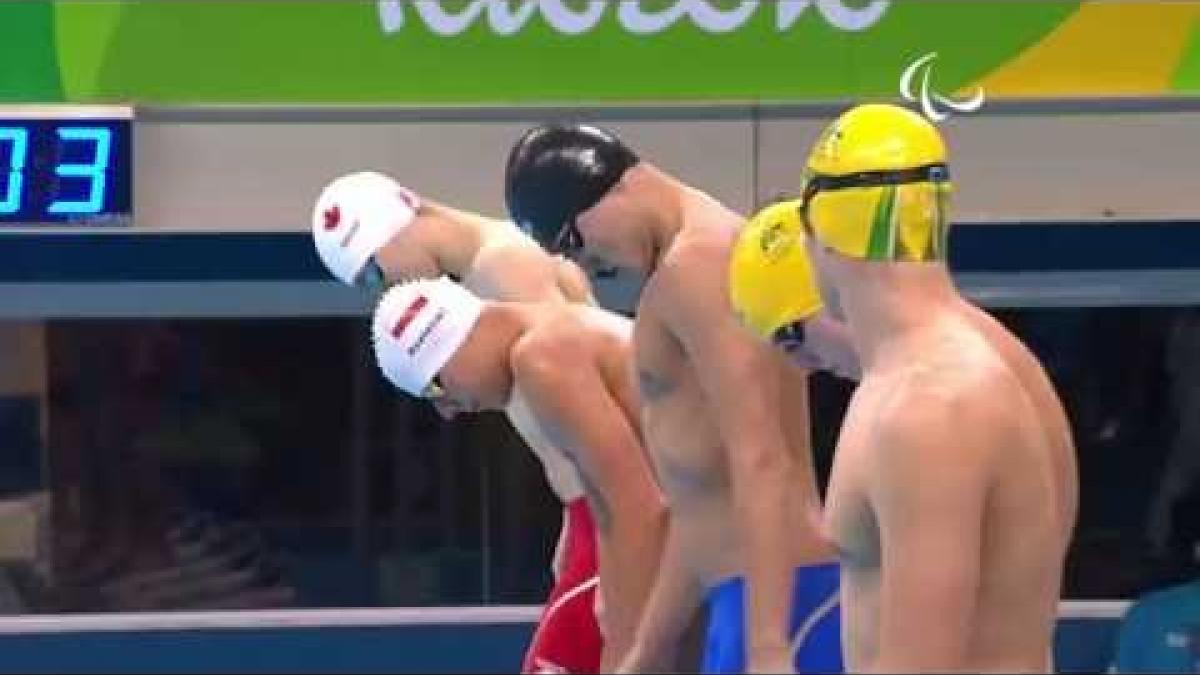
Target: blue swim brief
[{"x": 816, "y": 625}]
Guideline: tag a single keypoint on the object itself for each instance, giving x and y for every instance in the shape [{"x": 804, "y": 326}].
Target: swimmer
[
  {"x": 724, "y": 418},
  {"x": 953, "y": 493},
  {"x": 372, "y": 232},
  {"x": 570, "y": 363}
]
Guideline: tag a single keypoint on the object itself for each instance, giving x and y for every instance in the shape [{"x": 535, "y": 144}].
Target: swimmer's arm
[
  {"x": 532, "y": 275},
  {"x": 927, "y": 492},
  {"x": 742, "y": 383},
  {"x": 669, "y": 610},
  {"x": 574, "y": 399},
  {"x": 560, "y": 548}
]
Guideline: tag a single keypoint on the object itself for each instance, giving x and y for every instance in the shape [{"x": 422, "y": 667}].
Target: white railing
[{"x": 365, "y": 617}]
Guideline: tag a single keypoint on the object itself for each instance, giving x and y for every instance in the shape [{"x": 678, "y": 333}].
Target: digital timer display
[{"x": 65, "y": 166}]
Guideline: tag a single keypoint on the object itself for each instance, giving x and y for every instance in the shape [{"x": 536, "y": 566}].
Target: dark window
[
  {"x": 229, "y": 463},
  {"x": 207, "y": 464}
]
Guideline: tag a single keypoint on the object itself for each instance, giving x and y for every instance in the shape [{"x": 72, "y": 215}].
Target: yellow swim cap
[
  {"x": 771, "y": 281},
  {"x": 876, "y": 186}
]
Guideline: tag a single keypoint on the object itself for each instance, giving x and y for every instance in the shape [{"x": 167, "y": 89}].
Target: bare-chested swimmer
[
  {"x": 724, "y": 418},
  {"x": 437, "y": 340},
  {"x": 953, "y": 494}
]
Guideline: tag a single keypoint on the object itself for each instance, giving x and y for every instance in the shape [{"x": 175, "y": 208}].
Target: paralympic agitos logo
[
  {"x": 933, "y": 103},
  {"x": 576, "y": 17}
]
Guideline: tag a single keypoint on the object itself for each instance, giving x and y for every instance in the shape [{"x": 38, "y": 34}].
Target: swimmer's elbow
[
  {"x": 648, "y": 513},
  {"x": 657, "y": 514}
]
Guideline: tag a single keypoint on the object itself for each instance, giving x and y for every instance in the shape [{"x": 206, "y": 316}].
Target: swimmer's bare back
[
  {"x": 949, "y": 477},
  {"x": 1048, "y": 405}
]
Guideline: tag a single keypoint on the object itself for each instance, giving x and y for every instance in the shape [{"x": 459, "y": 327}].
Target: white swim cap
[
  {"x": 355, "y": 216},
  {"x": 418, "y": 327}
]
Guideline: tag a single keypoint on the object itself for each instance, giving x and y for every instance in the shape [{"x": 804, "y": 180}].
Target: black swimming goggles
[
  {"x": 790, "y": 337},
  {"x": 929, "y": 173},
  {"x": 434, "y": 390},
  {"x": 569, "y": 240}
]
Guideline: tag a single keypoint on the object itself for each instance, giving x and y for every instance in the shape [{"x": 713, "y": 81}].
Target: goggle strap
[{"x": 933, "y": 173}]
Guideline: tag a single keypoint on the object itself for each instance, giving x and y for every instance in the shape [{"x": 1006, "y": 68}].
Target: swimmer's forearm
[
  {"x": 629, "y": 507},
  {"x": 637, "y": 551},
  {"x": 666, "y": 615},
  {"x": 673, "y": 601},
  {"x": 639, "y": 522},
  {"x": 560, "y": 547},
  {"x": 761, "y": 494},
  {"x": 761, "y": 474}
]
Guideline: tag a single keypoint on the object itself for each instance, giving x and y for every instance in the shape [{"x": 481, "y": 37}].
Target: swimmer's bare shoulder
[
  {"x": 935, "y": 441},
  {"x": 564, "y": 368},
  {"x": 696, "y": 262},
  {"x": 685, "y": 299},
  {"x": 920, "y": 396},
  {"x": 557, "y": 340}
]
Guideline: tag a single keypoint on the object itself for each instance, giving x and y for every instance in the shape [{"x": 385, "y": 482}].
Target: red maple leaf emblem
[{"x": 333, "y": 217}]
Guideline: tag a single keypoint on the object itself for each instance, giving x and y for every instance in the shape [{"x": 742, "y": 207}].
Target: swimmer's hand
[
  {"x": 775, "y": 661},
  {"x": 636, "y": 661},
  {"x": 644, "y": 658},
  {"x": 628, "y": 666}
]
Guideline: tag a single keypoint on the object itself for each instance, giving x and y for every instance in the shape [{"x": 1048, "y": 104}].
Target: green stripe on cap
[
  {"x": 883, "y": 228},
  {"x": 940, "y": 229}
]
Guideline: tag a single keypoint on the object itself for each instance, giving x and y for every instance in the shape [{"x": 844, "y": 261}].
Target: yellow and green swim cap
[
  {"x": 771, "y": 282},
  {"x": 876, "y": 186}
]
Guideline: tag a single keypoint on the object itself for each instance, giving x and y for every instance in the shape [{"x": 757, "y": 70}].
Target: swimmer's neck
[
  {"x": 668, "y": 199},
  {"x": 504, "y": 324},
  {"x": 887, "y": 303}
]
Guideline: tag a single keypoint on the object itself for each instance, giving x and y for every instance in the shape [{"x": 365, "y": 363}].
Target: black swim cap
[{"x": 556, "y": 172}]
